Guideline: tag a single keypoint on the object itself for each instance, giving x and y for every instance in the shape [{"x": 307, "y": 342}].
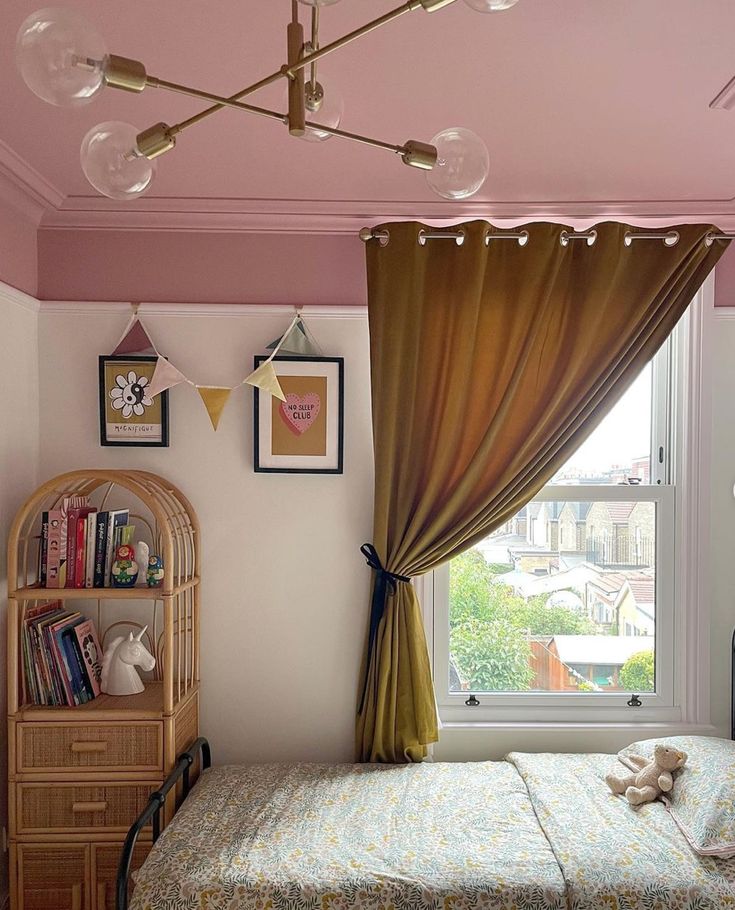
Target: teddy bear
[{"x": 653, "y": 778}]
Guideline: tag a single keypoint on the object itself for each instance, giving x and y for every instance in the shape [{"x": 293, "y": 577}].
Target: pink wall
[
  {"x": 17, "y": 250},
  {"x": 201, "y": 267},
  {"x": 217, "y": 267}
]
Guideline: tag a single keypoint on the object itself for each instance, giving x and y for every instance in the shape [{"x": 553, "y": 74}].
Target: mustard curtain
[{"x": 490, "y": 365}]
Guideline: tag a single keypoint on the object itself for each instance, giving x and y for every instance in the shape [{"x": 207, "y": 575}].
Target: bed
[{"x": 533, "y": 832}]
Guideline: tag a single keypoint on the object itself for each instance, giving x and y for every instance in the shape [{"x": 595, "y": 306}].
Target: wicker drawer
[
  {"x": 90, "y": 747},
  {"x": 51, "y": 876},
  {"x": 105, "y": 860},
  {"x": 102, "y": 807}
]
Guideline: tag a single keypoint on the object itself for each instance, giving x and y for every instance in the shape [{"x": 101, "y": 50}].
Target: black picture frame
[
  {"x": 103, "y": 392},
  {"x": 259, "y": 468}
]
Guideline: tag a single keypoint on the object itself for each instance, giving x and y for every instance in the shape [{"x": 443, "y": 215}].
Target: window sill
[{"x": 489, "y": 740}]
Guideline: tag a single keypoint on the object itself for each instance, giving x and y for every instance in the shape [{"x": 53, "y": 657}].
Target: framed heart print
[{"x": 305, "y": 433}]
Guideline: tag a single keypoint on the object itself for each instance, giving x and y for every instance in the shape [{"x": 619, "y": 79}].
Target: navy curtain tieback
[{"x": 383, "y": 582}]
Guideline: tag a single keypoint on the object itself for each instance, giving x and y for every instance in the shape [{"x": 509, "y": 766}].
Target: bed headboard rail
[{"x": 152, "y": 812}]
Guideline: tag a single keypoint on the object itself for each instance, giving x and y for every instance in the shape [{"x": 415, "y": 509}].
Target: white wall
[
  {"x": 18, "y": 459},
  {"x": 284, "y": 590},
  {"x": 722, "y": 536}
]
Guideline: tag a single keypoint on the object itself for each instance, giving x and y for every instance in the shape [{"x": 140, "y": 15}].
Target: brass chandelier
[{"x": 64, "y": 61}]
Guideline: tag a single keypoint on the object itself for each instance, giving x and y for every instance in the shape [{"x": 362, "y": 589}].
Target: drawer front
[
  {"x": 105, "y": 860},
  {"x": 90, "y": 747},
  {"x": 56, "y": 807},
  {"x": 52, "y": 875}
]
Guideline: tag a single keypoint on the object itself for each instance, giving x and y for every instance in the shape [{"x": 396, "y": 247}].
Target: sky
[{"x": 623, "y": 435}]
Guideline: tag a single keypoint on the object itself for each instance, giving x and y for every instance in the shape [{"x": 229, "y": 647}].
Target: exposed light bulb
[
  {"x": 112, "y": 162},
  {"x": 462, "y": 163},
  {"x": 490, "y": 6},
  {"x": 61, "y": 56}
]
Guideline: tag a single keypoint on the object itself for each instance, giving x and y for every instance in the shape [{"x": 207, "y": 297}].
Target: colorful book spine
[
  {"x": 77, "y": 509},
  {"x": 116, "y": 521},
  {"x": 90, "y": 543},
  {"x": 91, "y": 654},
  {"x": 43, "y": 551},
  {"x": 74, "y": 657},
  {"x": 103, "y": 520},
  {"x": 62, "y": 666},
  {"x": 56, "y": 555},
  {"x": 80, "y": 553}
]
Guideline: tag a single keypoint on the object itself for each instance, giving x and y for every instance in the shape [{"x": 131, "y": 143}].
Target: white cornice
[
  {"x": 25, "y": 188},
  {"x": 298, "y": 216},
  {"x": 11, "y": 295},
  {"x": 88, "y": 308},
  {"x": 724, "y": 312}
]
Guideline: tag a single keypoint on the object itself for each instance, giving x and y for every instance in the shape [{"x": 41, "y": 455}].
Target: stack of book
[
  {"x": 62, "y": 658},
  {"x": 77, "y": 544}
]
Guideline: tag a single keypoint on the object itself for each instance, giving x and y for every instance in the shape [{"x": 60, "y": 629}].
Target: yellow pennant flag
[
  {"x": 264, "y": 377},
  {"x": 215, "y": 399}
]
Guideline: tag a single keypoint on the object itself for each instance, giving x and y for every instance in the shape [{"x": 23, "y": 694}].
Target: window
[{"x": 569, "y": 608}]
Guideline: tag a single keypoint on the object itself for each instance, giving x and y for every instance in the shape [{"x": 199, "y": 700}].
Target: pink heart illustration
[{"x": 300, "y": 411}]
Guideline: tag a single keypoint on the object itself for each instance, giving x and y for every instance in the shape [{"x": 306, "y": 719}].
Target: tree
[
  {"x": 491, "y": 657},
  {"x": 638, "y": 672},
  {"x": 490, "y": 625}
]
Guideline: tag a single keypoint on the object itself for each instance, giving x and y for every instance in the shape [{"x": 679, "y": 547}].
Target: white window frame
[{"x": 682, "y": 646}]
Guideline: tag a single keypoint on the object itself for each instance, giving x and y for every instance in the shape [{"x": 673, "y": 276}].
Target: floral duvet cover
[
  {"x": 614, "y": 857},
  {"x": 332, "y": 837},
  {"x": 537, "y": 832}
]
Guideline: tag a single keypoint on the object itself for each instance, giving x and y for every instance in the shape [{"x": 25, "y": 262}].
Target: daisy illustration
[{"x": 129, "y": 395}]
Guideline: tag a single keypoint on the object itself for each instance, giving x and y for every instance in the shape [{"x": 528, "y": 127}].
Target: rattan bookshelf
[{"x": 78, "y": 776}]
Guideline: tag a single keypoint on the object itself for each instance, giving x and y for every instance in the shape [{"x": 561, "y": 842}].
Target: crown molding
[
  {"x": 724, "y": 312},
  {"x": 102, "y": 308},
  {"x": 298, "y": 216},
  {"x": 11, "y": 295},
  {"x": 23, "y": 187}
]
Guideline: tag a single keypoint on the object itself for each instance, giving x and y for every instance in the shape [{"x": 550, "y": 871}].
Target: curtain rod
[{"x": 670, "y": 238}]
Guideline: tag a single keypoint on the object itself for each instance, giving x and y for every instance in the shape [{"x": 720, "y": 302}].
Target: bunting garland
[
  {"x": 297, "y": 339},
  {"x": 214, "y": 398}
]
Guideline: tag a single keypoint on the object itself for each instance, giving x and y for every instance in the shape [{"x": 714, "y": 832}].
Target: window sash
[{"x": 497, "y": 706}]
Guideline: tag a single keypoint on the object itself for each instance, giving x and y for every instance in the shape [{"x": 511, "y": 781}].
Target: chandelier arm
[
  {"x": 289, "y": 70},
  {"x": 155, "y": 82},
  {"x": 314, "y": 44}
]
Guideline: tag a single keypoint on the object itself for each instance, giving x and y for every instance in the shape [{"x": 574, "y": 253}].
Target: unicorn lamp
[{"x": 119, "y": 676}]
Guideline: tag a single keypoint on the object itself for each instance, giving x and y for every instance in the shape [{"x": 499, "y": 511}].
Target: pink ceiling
[{"x": 578, "y": 100}]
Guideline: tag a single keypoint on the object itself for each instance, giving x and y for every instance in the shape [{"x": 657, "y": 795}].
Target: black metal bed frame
[{"x": 152, "y": 812}]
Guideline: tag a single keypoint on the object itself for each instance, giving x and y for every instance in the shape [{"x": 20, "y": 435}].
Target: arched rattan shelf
[{"x": 78, "y": 776}]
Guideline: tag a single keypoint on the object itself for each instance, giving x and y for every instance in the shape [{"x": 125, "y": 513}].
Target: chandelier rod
[
  {"x": 155, "y": 82},
  {"x": 314, "y": 44},
  {"x": 289, "y": 70}
]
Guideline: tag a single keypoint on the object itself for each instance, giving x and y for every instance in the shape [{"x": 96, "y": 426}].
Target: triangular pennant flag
[
  {"x": 295, "y": 340},
  {"x": 264, "y": 377},
  {"x": 165, "y": 376},
  {"x": 135, "y": 340},
  {"x": 214, "y": 398}
]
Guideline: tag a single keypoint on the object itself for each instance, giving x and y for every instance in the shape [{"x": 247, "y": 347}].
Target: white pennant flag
[{"x": 165, "y": 376}]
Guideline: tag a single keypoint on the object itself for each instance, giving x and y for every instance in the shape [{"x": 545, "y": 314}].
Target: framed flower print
[
  {"x": 303, "y": 434},
  {"x": 128, "y": 417}
]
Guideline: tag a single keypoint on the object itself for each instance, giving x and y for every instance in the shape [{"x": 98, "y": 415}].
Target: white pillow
[{"x": 702, "y": 802}]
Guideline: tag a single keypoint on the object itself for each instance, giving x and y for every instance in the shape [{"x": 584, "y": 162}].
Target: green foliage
[
  {"x": 638, "y": 672},
  {"x": 490, "y": 625},
  {"x": 491, "y": 656}
]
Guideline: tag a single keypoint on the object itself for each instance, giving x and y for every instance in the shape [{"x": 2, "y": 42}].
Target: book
[
  {"x": 56, "y": 558},
  {"x": 103, "y": 520},
  {"x": 91, "y": 654},
  {"x": 43, "y": 550},
  {"x": 78, "y": 508},
  {"x": 90, "y": 541},
  {"x": 45, "y": 649},
  {"x": 62, "y": 669},
  {"x": 29, "y": 684},
  {"x": 37, "y": 652},
  {"x": 70, "y": 646},
  {"x": 116, "y": 520}
]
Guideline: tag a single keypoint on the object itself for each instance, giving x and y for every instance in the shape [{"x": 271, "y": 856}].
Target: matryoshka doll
[{"x": 124, "y": 568}]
